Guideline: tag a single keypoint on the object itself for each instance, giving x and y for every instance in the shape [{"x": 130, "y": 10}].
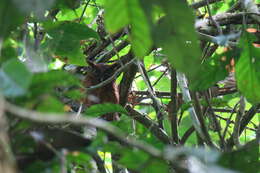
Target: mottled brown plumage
[{"x": 106, "y": 94}]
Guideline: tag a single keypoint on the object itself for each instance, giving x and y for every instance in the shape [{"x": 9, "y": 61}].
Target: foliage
[{"x": 189, "y": 102}]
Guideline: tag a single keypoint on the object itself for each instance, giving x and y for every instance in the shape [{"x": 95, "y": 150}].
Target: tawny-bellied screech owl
[{"x": 105, "y": 94}]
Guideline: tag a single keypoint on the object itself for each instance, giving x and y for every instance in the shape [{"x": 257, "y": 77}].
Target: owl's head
[{"x": 101, "y": 71}]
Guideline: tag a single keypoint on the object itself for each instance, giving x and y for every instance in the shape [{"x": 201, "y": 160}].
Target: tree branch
[
  {"x": 149, "y": 124},
  {"x": 56, "y": 118},
  {"x": 156, "y": 103},
  {"x": 7, "y": 161},
  {"x": 174, "y": 107},
  {"x": 126, "y": 82}
]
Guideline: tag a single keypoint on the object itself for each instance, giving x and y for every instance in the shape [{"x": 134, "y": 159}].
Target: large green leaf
[
  {"x": 15, "y": 78},
  {"x": 175, "y": 33},
  {"x": 121, "y": 13},
  {"x": 43, "y": 83},
  {"x": 65, "y": 40},
  {"x": 50, "y": 104},
  {"x": 210, "y": 72},
  {"x": 247, "y": 69},
  {"x": 101, "y": 109},
  {"x": 245, "y": 159},
  {"x": 133, "y": 159},
  {"x": 155, "y": 166},
  {"x": 9, "y": 50},
  {"x": 10, "y": 17}
]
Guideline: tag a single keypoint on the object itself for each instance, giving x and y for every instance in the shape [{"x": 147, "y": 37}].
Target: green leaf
[
  {"x": 10, "y": 17},
  {"x": 245, "y": 159},
  {"x": 45, "y": 82},
  {"x": 113, "y": 21},
  {"x": 50, "y": 104},
  {"x": 15, "y": 78},
  {"x": 65, "y": 40},
  {"x": 8, "y": 50},
  {"x": 129, "y": 12},
  {"x": 210, "y": 72},
  {"x": 124, "y": 124},
  {"x": 155, "y": 166},
  {"x": 75, "y": 94},
  {"x": 247, "y": 69},
  {"x": 78, "y": 157},
  {"x": 101, "y": 109},
  {"x": 78, "y": 31},
  {"x": 176, "y": 35},
  {"x": 133, "y": 159},
  {"x": 67, "y": 15}
]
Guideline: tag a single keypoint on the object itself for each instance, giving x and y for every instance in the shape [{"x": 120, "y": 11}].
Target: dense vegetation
[{"x": 188, "y": 83}]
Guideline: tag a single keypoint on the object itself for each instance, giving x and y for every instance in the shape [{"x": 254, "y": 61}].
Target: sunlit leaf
[
  {"x": 65, "y": 40},
  {"x": 121, "y": 13},
  {"x": 247, "y": 69},
  {"x": 176, "y": 35},
  {"x": 50, "y": 104},
  {"x": 210, "y": 72}
]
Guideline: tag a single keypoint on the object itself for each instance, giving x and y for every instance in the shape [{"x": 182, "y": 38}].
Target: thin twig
[
  {"x": 187, "y": 134},
  {"x": 83, "y": 12},
  {"x": 235, "y": 7},
  {"x": 150, "y": 70},
  {"x": 215, "y": 121},
  {"x": 248, "y": 117},
  {"x": 229, "y": 120},
  {"x": 212, "y": 20},
  {"x": 213, "y": 39},
  {"x": 103, "y": 45},
  {"x": 113, "y": 77},
  {"x": 156, "y": 103},
  {"x": 160, "y": 77},
  {"x": 148, "y": 123},
  {"x": 232, "y": 122},
  {"x": 115, "y": 49},
  {"x": 238, "y": 119},
  {"x": 182, "y": 82},
  {"x": 199, "y": 114},
  {"x": 112, "y": 53}
]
